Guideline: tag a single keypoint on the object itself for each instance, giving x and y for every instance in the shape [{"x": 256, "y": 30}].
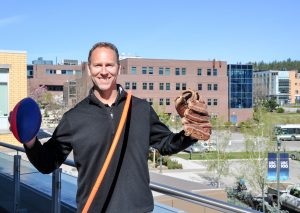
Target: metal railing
[{"x": 167, "y": 190}]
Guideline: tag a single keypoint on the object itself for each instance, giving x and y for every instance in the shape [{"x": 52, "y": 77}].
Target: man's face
[{"x": 104, "y": 68}]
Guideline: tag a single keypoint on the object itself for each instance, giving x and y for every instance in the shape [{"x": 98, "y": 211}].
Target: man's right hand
[{"x": 28, "y": 144}]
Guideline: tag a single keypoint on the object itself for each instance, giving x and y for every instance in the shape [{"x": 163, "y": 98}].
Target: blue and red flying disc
[{"x": 25, "y": 120}]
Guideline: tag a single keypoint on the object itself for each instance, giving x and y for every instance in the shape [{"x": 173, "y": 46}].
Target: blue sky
[{"x": 230, "y": 30}]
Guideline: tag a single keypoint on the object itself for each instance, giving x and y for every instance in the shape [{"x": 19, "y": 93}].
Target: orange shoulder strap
[{"x": 109, "y": 155}]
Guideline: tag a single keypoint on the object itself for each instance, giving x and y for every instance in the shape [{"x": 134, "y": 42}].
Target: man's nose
[{"x": 103, "y": 70}]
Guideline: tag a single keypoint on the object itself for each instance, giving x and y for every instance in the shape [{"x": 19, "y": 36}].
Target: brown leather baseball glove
[{"x": 193, "y": 111}]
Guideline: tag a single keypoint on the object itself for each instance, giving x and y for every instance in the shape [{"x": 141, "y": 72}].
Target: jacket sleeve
[
  {"x": 49, "y": 156},
  {"x": 165, "y": 141}
]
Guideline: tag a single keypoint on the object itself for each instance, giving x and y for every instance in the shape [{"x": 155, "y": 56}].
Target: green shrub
[
  {"x": 171, "y": 164},
  {"x": 280, "y": 110}
]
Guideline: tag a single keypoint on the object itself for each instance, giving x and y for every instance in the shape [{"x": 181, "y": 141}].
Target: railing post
[
  {"x": 17, "y": 160},
  {"x": 56, "y": 190}
]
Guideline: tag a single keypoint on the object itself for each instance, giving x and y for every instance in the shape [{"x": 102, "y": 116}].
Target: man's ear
[
  {"x": 88, "y": 69},
  {"x": 119, "y": 71}
]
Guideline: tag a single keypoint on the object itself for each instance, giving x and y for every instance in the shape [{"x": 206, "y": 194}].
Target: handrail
[{"x": 181, "y": 194}]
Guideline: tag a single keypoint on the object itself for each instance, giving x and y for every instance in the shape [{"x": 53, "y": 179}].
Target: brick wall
[{"x": 17, "y": 83}]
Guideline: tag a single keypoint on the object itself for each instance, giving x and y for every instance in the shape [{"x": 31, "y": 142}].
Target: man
[{"x": 88, "y": 129}]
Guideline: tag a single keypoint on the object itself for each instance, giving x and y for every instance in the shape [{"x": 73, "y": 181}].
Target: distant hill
[{"x": 277, "y": 65}]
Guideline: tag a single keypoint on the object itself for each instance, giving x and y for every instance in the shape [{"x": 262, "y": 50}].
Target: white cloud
[{"x": 9, "y": 20}]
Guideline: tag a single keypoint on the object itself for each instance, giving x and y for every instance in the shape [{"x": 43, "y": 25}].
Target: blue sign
[{"x": 272, "y": 166}]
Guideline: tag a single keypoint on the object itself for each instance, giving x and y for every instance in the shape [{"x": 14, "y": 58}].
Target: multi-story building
[
  {"x": 272, "y": 84},
  {"x": 240, "y": 92},
  {"x": 160, "y": 81},
  {"x": 13, "y": 88},
  {"x": 294, "y": 77},
  {"x": 51, "y": 76},
  {"x": 40, "y": 60}
]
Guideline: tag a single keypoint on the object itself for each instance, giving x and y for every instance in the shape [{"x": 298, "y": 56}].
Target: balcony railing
[{"x": 167, "y": 190}]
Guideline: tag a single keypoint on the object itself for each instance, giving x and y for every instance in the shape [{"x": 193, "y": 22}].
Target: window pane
[
  {"x": 161, "y": 71},
  {"x": 167, "y": 86},
  {"x": 199, "y": 72},
  {"x": 144, "y": 70},
  {"x": 167, "y": 70},
  {"x": 4, "y": 99},
  {"x": 150, "y": 70}
]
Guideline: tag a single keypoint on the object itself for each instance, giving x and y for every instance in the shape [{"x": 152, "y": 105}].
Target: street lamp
[
  {"x": 174, "y": 120},
  {"x": 278, "y": 171}
]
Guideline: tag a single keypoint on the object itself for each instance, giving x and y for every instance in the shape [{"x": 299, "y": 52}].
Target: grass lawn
[
  {"x": 285, "y": 118},
  {"x": 214, "y": 155}
]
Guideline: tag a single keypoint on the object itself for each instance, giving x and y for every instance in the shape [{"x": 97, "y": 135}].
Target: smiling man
[{"x": 89, "y": 128}]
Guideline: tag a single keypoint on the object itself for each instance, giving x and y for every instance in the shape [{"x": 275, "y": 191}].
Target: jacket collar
[{"x": 122, "y": 94}]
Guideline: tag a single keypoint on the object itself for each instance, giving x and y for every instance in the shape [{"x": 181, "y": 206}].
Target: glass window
[
  {"x": 4, "y": 99},
  {"x": 134, "y": 85},
  {"x": 150, "y": 70},
  {"x": 215, "y": 72},
  {"x": 69, "y": 72},
  {"x": 144, "y": 70},
  {"x": 127, "y": 85},
  {"x": 150, "y": 101},
  {"x": 177, "y": 71},
  {"x": 199, "y": 71},
  {"x": 161, "y": 86},
  {"x": 209, "y": 102},
  {"x": 63, "y": 72},
  {"x": 167, "y": 71},
  {"x": 208, "y": 72},
  {"x": 168, "y": 86},
  {"x": 215, "y": 87},
  {"x": 199, "y": 86},
  {"x": 167, "y": 101},
  {"x": 78, "y": 72},
  {"x": 208, "y": 86},
  {"x": 215, "y": 102},
  {"x": 133, "y": 70},
  {"x": 161, "y": 71},
  {"x": 183, "y": 86},
  {"x": 177, "y": 86},
  {"x": 183, "y": 71},
  {"x": 161, "y": 101},
  {"x": 150, "y": 86},
  {"x": 51, "y": 72},
  {"x": 144, "y": 86}
]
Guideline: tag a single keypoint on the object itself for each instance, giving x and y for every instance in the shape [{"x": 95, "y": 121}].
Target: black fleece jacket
[{"x": 88, "y": 129}]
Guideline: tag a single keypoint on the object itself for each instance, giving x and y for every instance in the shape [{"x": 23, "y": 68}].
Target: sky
[{"x": 236, "y": 31}]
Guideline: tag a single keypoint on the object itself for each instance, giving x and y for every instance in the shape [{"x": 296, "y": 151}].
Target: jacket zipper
[{"x": 111, "y": 113}]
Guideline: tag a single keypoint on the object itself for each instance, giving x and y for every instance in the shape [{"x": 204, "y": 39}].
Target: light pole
[
  {"x": 278, "y": 172},
  {"x": 174, "y": 120}
]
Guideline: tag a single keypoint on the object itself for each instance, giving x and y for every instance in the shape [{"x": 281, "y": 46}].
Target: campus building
[
  {"x": 273, "y": 84},
  {"x": 52, "y": 76},
  {"x": 240, "y": 92},
  {"x": 160, "y": 81},
  {"x": 13, "y": 88},
  {"x": 294, "y": 93}
]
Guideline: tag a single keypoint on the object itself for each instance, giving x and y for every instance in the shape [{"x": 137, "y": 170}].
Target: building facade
[
  {"x": 13, "y": 88},
  {"x": 240, "y": 92},
  {"x": 294, "y": 77},
  {"x": 272, "y": 84},
  {"x": 160, "y": 81},
  {"x": 52, "y": 77}
]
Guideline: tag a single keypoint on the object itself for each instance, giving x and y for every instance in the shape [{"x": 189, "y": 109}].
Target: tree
[
  {"x": 270, "y": 104},
  {"x": 221, "y": 135}
]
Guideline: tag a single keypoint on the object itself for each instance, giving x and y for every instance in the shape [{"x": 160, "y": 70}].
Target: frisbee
[{"x": 25, "y": 120}]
